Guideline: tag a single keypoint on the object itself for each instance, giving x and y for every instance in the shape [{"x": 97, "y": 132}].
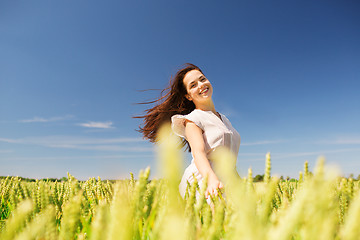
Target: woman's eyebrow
[{"x": 202, "y": 76}]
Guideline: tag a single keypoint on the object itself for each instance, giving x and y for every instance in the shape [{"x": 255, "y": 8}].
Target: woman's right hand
[
  {"x": 213, "y": 185},
  {"x": 196, "y": 140}
]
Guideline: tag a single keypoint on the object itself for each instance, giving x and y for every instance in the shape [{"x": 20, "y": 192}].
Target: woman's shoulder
[
  {"x": 194, "y": 112},
  {"x": 178, "y": 121}
]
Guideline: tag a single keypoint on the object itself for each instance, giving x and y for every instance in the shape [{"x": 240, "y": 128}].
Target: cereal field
[{"x": 319, "y": 205}]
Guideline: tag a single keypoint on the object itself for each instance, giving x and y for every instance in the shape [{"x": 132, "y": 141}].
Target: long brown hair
[{"x": 171, "y": 101}]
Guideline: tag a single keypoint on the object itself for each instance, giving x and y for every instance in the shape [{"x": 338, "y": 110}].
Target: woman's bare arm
[{"x": 195, "y": 138}]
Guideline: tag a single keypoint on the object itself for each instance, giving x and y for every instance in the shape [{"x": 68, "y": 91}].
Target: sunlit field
[{"x": 318, "y": 205}]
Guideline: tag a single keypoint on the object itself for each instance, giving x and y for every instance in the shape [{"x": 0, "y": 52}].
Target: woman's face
[{"x": 198, "y": 87}]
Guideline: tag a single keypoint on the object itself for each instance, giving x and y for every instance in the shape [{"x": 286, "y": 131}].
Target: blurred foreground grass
[{"x": 317, "y": 206}]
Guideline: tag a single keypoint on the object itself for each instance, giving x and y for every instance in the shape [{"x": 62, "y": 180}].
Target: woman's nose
[{"x": 200, "y": 84}]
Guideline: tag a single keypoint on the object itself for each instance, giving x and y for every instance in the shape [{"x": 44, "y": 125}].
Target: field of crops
[{"x": 321, "y": 205}]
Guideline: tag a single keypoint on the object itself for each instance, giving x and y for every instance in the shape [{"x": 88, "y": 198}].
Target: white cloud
[
  {"x": 317, "y": 153},
  {"x": 105, "y": 148},
  {"x": 275, "y": 156},
  {"x": 52, "y": 158},
  {"x": 52, "y": 119},
  {"x": 8, "y": 140},
  {"x": 97, "y": 124},
  {"x": 6, "y": 150},
  {"x": 81, "y": 143},
  {"x": 341, "y": 141},
  {"x": 34, "y": 119},
  {"x": 252, "y": 154},
  {"x": 71, "y": 140},
  {"x": 262, "y": 142}
]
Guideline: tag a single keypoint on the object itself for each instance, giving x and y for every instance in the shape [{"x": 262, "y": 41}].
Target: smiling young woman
[{"x": 189, "y": 106}]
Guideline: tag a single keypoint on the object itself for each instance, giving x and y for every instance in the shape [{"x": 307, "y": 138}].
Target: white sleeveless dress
[{"x": 216, "y": 132}]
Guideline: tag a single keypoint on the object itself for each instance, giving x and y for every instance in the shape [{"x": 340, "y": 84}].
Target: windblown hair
[{"x": 171, "y": 101}]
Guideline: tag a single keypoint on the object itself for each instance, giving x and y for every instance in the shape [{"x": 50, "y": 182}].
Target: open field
[{"x": 321, "y": 205}]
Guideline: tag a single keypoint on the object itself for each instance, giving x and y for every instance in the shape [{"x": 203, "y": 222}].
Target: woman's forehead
[{"x": 192, "y": 76}]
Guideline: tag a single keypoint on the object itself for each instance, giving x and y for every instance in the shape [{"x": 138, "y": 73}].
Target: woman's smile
[{"x": 204, "y": 91}]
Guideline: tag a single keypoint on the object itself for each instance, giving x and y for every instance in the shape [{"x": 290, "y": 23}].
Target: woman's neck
[{"x": 209, "y": 106}]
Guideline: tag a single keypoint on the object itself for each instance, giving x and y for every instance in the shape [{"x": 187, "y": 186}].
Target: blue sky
[{"x": 286, "y": 74}]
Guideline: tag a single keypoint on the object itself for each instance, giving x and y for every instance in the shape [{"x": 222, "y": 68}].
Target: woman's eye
[{"x": 203, "y": 80}]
